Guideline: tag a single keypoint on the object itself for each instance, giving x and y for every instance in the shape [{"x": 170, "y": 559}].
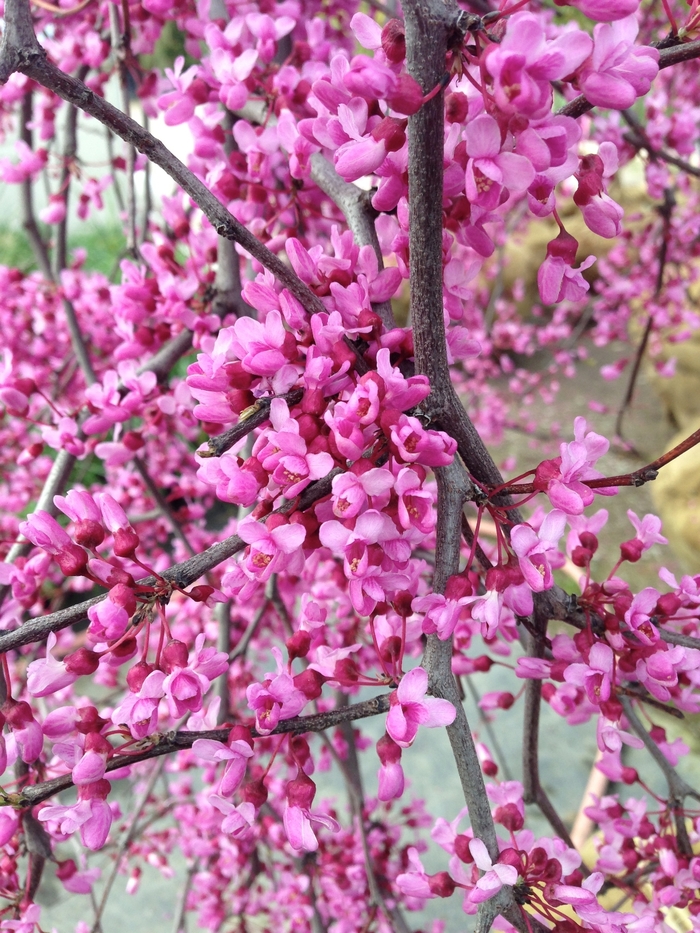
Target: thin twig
[
  {"x": 160, "y": 744},
  {"x": 126, "y": 841},
  {"x": 678, "y": 789},
  {"x": 163, "y": 505}
]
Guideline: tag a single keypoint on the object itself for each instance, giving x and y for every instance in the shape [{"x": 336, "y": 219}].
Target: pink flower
[
  {"x": 391, "y": 777},
  {"x": 606, "y": 10},
  {"x": 489, "y": 170},
  {"x": 235, "y": 754},
  {"x": 91, "y": 815},
  {"x": 271, "y": 550},
  {"x": 238, "y": 820},
  {"x": 275, "y": 698},
  {"x": 48, "y": 675},
  {"x": 44, "y": 531},
  {"x": 618, "y": 71},
  {"x": 596, "y": 676},
  {"x": 139, "y": 711},
  {"x": 263, "y": 348},
  {"x": 495, "y": 874},
  {"x": 536, "y": 550},
  {"x": 639, "y": 613},
  {"x": 351, "y": 490},
  {"x": 562, "y": 477},
  {"x": 525, "y": 63},
  {"x": 558, "y": 280},
  {"x": 411, "y": 708},
  {"x": 415, "y": 503},
  {"x": 298, "y": 816},
  {"x": 29, "y": 165},
  {"x": 416, "y": 444}
]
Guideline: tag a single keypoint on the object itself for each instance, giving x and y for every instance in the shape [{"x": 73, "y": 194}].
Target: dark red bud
[
  {"x": 301, "y": 791},
  {"x": 310, "y": 683},
  {"x": 462, "y": 849},
  {"x": 82, "y": 662},
  {"x": 388, "y": 751},
  {"x": 632, "y": 550},
  {"x": 510, "y": 817},
  {"x": 298, "y": 645},
  {"x": 72, "y": 560},
  {"x": 254, "y": 792},
  {"x": 175, "y": 655},
  {"x": 563, "y": 246},
  {"x": 137, "y": 674},
  {"x": 89, "y": 534},
  {"x": 394, "y": 41},
  {"x": 125, "y": 542},
  {"x": 441, "y": 885}
]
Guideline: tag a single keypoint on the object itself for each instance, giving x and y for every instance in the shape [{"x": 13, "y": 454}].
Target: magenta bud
[
  {"x": 462, "y": 850},
  {"x": 72, "y": 560},
  {"x": 563, "y": 246},
  {"x": 254, "y": 792},
  {"x": 441, "y": 885},
  {"x": 240, "y": 734},
  {"x": 388, "y": 751},
  {"x": 394, "y": 41},
  {"x": 122, "y": 595},
  {"x": 137, "y": 674},
  {"x": 310, "y": 683},
  {"x": 174, "y": 656},
  {"x": 89, "y": 533},
  {"x": 510, "y": 817},
  {"x": 301, "y": 791},
  {"x": 632, "y": 550},
  {"x": 392, "y": 132},
  {"x": 82, "y": 662},
  {"x": 125, "y": 542},
  {"x": 298, "y": 645}
]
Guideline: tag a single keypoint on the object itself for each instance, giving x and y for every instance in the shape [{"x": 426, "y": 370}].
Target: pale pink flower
[
  {"x": 495, "y": 874},
  {"x": 618, "y": 71},
  {"x": 490, "y": 170},
  {"x": 411, "y": 708},
  {"x": 536, "y": 550}
]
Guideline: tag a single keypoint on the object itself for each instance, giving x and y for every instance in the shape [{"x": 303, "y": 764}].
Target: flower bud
[
  {"x": 441, "y": 884},
  {"x": 82, "y": 662},
  {"x": 394, "y": 41},
  {"x": 310, "y": 683},
  {"x": 301, "y": 791},
  {"x": 175, "y": 655},
  {"x": 254, "y": 792},
  {"x": 137, "y": 674},
  {"x": 125, "y": 542},
  {"x": 89, "y": 533},
  {"x": 72, "y": 560},
  {"x": 298, "y": 645}
]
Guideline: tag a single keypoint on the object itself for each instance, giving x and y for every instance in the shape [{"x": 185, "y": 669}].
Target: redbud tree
[{"x": 244, "y": 495}]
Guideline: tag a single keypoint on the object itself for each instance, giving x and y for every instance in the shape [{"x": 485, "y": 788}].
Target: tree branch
[
  {"x": 182, "y": 574},
  {"x": 20, "y": 51},
  {"x": 165, "y": 744},
  {"x": 678, "y": 788},
  {"x": 357, "y": 209}
]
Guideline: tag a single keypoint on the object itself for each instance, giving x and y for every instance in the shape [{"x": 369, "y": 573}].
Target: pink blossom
[
  {"x": 596, "y": 676},
  {"x": 606, "y": 10},
  {"x": 275, "y": 698},
  {"x": 535, "y": 550},
  {"x": 298, "y": 816},
  {"x": 525, "y": 63},
  {"x": 416, "y": 444},
  {"x": 139, "y": 711},
  {"x": 496, "y": 874},
  {"x": 351, "y": 490},
  {"x": 48, "y": 675},
  {"x": 263, "y": 348},
  {"x": 559, "y": 281},
  {"x": 270, "y": 550},
  {"x": 411, "y": 708},
  {"x": 235, "y": 754},
  {"x": 238, "y": 820},
  {"x": 618, "y": 71},
  {"x": 490, "y": 170},
  {"x": 638, "y": 616}
]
